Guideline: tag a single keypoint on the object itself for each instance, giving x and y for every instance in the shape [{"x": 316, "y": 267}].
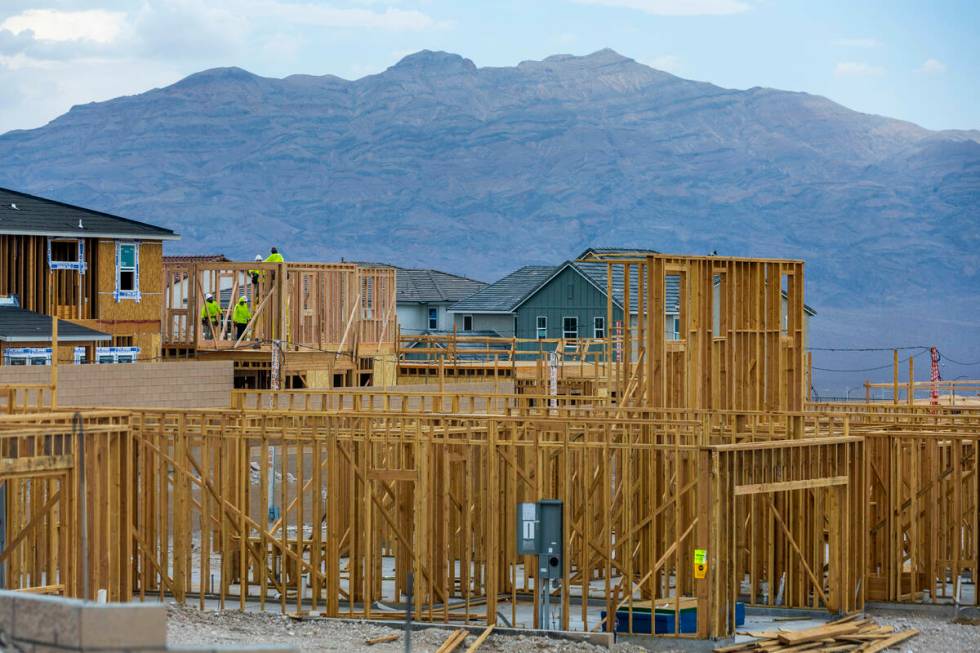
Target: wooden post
[
  {"x": 54, "y": 362},
  {"x": 895, "y": 377},
  {"x": 911, "y": 393}
]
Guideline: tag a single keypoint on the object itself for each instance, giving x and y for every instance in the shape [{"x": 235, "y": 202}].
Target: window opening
[{"x": 127, "y": 271}]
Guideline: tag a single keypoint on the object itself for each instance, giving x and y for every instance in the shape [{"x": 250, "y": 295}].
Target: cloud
[
  {"x": 70, "y": 54},
  {"x": 667, "y": 62},
  {"x": 53, "y": 25},
  {"x": 857, "y": 69},
  {"x": 318, "y": 15},
  {"x": 676, "y": 7},
  {"x": 932, "y": 67},
  {"x": 859, "y": 42}
]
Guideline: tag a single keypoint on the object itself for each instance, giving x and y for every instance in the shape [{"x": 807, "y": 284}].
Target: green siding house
[
  {"x": 568, "y": 305},
  {"x": 564, "y": 301}
]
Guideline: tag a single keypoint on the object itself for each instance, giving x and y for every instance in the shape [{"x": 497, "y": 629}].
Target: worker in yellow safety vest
[
  {"x": 256, "y": 274},
  {"x": 210, "y": 316},
  {"x": 274, "y": 256},
  {"x": 241, "y": 316}
]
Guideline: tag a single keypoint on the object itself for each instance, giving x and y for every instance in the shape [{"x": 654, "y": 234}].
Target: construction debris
[
  {"x": 381, "y": 639},
  {"x": 851, "y": 633},
  {"x": 453, "y": 641}
]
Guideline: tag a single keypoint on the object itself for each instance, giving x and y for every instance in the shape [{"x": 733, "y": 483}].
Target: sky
[{"x": 918, "y": 61}]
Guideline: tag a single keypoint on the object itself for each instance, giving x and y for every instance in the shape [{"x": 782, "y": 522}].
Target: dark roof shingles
[
  {"x": 431, "y": 286},
  {"x": 37, "y": 215},
  {"x": 19, "y": 324},
  {"x": 504, "y": 295}
]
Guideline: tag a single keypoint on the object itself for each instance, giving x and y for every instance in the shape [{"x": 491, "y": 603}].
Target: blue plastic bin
[{"x": 664, "y": 620}]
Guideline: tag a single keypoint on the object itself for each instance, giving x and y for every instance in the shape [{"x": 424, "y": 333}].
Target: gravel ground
[
  {"x": 188, "y": 626},
  {"x": 936, "y": 634},
  {"x": 192, "y": 627}
]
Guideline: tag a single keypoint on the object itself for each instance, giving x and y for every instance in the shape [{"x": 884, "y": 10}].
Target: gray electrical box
[
  {"x": 527, "y": 529},
  {"x": 539, "y": 531},
  {"x": 550, "y": 538}
]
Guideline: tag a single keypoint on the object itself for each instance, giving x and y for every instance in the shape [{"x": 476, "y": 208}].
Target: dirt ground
[{"x": 189, "y": 626}]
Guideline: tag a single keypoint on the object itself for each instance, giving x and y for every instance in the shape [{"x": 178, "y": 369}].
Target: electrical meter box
[
  {"x": 539, "y": 532},
  {"x": 550, "y": 538}
]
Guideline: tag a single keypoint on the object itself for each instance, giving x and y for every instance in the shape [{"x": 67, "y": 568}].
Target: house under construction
[{"x": 692, "y": 477}]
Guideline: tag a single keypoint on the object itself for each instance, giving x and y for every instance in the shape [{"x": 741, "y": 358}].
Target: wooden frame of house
[
  {"x": 96, "y": 269},
  {"x": 314, "y": 325}
]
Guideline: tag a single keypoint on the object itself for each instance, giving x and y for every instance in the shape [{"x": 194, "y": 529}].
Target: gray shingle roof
[
  {"x": 597, "y": 273},
  {"x": 432, "y": 286},
  {"x": 37, "y": 216},
  {"x": 20, "y": 325},
  {"x": 504, "y": 295}
]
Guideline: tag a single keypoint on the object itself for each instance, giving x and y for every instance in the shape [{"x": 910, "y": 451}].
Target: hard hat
[
  {"x": 258, "y": 257},
  {"x": 243, "y": 298},
  {"x": 209, "y": 296}
]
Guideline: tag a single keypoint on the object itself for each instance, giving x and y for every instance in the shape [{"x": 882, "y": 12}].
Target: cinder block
[
  {"x": 7, "y": 611},
  {"x": 130, "y": 626},
  {"x": 47, "y": 619}
]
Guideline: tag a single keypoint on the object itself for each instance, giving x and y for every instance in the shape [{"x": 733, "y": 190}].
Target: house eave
[{"x": 81, "y": 233}]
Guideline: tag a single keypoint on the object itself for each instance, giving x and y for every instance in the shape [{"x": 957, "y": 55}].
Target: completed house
[
  {"x": 98, "y": 270},
  {"x": 565, "y": 301},
  {"x": 424, "y": 296}
]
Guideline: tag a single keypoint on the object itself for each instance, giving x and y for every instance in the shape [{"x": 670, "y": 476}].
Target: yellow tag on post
[{"x": 700, "y": 563}]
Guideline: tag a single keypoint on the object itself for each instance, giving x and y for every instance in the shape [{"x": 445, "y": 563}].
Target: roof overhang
[{"x": 86, "y": 234}]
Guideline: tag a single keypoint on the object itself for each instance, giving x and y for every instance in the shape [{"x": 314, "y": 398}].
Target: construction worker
[
  {"x": 274, "y": 256},
  {"x": 256, "y": 274},
  {"x": 210, "y": 316},
  {"x": 241, "y": 317}
]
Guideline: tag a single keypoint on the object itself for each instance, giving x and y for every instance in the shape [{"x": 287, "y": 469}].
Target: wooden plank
[{"x": 785, "y": 486}]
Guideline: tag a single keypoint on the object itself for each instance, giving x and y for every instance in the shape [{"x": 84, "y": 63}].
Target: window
[
  {"x": 674, "y": 333},
  {"x": 66, "y": 254},
  {"x": 569, "y": 327},
  {"x": 599, "y": 327},
  {"x": 27, "y": 356},
  {"x": 433, "y": 319},
  {"x": 112, "y": 355},
  {"x": 127, "y": 271},
  {"x": 541, "y": 328},
  {"x": 467, "y": 323}
]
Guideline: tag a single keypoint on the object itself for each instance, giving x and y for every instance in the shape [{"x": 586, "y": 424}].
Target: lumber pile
[{"x": 852, "y": 633}]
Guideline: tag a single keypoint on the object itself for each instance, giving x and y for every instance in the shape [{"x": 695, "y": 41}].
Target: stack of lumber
[{"x": 852, "y": 633}]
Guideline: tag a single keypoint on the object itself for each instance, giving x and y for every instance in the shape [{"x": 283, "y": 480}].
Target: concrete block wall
[
  {"x": 188, "y": 384},
  {"x": 32, "y": 623}
]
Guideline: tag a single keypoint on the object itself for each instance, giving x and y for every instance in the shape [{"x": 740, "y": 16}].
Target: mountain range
[{"x": 438, "y": 163}]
